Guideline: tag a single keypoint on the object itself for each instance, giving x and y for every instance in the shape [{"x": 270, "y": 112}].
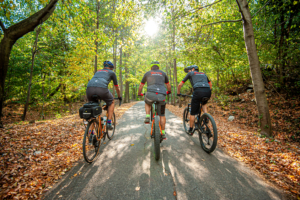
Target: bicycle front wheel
[
  {"x": 186, "y": 120},
  {"x": 157, "y": 136},
  {"x": 110, "y": 133},
  {"x": 208, "y": 134},
  {"x": 90, "y": 144}
]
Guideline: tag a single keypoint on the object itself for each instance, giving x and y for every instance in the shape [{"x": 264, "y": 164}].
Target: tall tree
[
  {"x": 258, "y": 84},
  {"x": 12, "y": 34},
  {"x": 33, "y": 53}
]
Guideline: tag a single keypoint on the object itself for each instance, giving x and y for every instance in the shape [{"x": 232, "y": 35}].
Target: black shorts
[
  {"x": 198, "y": 94},
  {"x": 150, "y": 97},
  {"x": 103, "y": 93}
]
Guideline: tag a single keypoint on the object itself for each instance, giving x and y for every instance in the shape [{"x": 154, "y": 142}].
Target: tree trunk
[
  {"x": 96, "y": 33},
  {"x": 115, "y": 46},
  {"x": 175, "y": 84},
  {"x": 120, "y": 72},
  {"x": 258, "y": 84},
  {"x": 33, "y": 52},
  {"x": 11, "y": 35},
  {"x": 43, "y": 96},
  {"x": 167, "y": 72},
  {"x": 126, "y": 81}
]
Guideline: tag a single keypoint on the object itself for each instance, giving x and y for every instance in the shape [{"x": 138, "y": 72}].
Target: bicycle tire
[
  {"x": 151, "y": 114},
  {"x": 204, "y": 132},
  {"x": 186, "y": 120},
  {"x": 110, "y": 133},
  {"x": 157, "y": 136},
  {"x": 84, "y": 143}
]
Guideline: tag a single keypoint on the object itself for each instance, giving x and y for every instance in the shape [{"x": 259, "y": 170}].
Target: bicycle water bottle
[{"x": 104, "y": 120}]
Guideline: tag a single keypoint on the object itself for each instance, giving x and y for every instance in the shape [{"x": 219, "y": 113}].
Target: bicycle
[
  {"x": 95, "y": 132},
  {"x": 156, "y": 132},
  {"x": 205, "y": 125}
]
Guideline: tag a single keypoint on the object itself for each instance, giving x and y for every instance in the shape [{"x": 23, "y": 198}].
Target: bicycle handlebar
[
  {"x": 120, "y": 102},
  {"x": 143, "y": 94}
]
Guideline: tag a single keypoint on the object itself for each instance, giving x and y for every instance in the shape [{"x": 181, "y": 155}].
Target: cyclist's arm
[
  {"x": 168, "y": 87},
  {"x": 210, "y": 85},
  {"x": 209, "y": 82},
  {"x": 142, "y": 83},
  {"x": 118, "y": 90},
  {"x": 182, "y": 82},
  {"x": 167, "y": 83},
  {"x": 141, "y": 88},
  {"x": 179, "y": 87}
]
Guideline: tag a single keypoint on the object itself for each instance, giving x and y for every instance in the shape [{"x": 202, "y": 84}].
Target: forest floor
[
  {"x": 34, "y": 156},
  {"x": 276, "y": 158}
]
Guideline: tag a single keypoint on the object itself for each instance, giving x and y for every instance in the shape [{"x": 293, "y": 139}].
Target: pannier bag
[{"x": 90, "y": 110}]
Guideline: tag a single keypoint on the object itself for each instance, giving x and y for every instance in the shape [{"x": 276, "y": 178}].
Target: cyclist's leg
[
  {"x": 195, "y": 107},
  {"x": 148, "y": 106},
  {"x": 108, "y": 98},
  {"x": 205, "y": 92},
  {"x": 161, "y": 112},
  {"x": 110, "y": 110},
  {"x": 161, "y": 107}
]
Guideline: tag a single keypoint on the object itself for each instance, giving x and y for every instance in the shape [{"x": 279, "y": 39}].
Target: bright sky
[{"x": 151, "y": 27}]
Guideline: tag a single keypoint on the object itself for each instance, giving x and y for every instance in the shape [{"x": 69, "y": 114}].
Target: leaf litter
[
  {"x": 35, "y": 156},
  {"x": 277, "y": 158}
]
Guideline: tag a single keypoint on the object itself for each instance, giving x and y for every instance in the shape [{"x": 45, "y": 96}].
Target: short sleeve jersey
[
  {"x": 102, "y": 78},
  {"x": 156, "y": 80},
  {"x": 197, "y": 79}
]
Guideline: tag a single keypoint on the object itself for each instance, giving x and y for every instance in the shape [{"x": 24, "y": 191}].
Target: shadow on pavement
[{"x": 127, "y": 169}]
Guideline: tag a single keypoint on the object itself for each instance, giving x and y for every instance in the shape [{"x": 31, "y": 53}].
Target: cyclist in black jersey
[
  {"x": 98, "y": 85},
  {"x": 156, "y": 91},
  {"x": 202, "y": 88}
]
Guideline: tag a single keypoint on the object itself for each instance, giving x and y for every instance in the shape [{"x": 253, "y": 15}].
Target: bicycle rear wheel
[
  {"x": 110, "y": 133},
  {"x": 157, "y": 135},
  {"x": 208, "y": 134},
  {"x": 186, "y": 120},
  {"x": 90, "y": 144}
]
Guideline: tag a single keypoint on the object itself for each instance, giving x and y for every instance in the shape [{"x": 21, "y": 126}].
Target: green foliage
[{"x": 64, "y": 62}]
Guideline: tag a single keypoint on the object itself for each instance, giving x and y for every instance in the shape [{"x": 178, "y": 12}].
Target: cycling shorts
[
  {"x": 103, "y": 93},
  {"x": 151, "y": 97},
  {"x": 198, "y": 94}
]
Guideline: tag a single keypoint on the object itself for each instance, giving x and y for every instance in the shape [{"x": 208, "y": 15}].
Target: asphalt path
[{"x": 184, "y": 171}]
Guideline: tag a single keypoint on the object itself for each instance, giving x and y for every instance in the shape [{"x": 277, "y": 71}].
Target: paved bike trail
[{"x": 184, "y": 171}]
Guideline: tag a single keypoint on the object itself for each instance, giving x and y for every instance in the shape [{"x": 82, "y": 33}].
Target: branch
[
  {"x": 2, "y": 26},
  {"x": 194, "y": 10},
  {"x": 27, "y": 25},
  {"x": 261, "y": 8},
  {"x": 223, "y": 22}
]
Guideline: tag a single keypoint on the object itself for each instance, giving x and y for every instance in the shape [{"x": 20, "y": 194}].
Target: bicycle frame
[
  {"x": 198, "y": 115},
  {"x": 155, "y": 113}
]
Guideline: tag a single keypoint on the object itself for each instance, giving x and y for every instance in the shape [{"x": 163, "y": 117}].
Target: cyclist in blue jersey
[
  {"x": 202, "y": 88},
  {"x": 98, "y": 85}
]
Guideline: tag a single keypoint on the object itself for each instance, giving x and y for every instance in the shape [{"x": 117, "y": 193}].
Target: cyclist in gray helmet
[{"x": 202, "y": 88}]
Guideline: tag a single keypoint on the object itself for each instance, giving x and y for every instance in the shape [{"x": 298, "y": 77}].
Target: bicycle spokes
[{"x": 208, "y": 134}]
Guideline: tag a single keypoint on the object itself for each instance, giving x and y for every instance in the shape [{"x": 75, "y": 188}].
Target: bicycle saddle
[
  {"x": 204, "y": 99},
  {"x": 95, "y": 98}
]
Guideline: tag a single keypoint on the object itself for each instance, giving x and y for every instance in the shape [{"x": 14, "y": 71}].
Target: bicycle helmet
[
  {"x": 195, "y": 67},
  {"x": 186, "y": 70},
  {"x": 153, "y": 63},
  {"x": 108, "y": 64}
]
